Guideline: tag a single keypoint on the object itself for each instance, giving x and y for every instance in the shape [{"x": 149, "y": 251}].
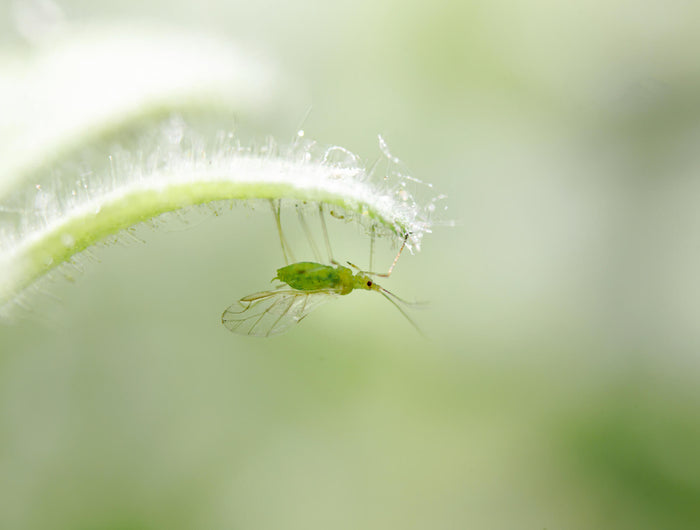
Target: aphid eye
[{"x": 369, "y": 283}]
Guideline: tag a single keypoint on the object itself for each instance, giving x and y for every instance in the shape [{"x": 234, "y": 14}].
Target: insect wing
[{"x": 272, "y": 312}]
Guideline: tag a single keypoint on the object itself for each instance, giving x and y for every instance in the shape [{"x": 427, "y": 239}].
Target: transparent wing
[{"x": 272, "y": 312}]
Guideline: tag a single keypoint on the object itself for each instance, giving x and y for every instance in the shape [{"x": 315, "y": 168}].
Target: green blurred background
[{"x": 559, "y": 387}]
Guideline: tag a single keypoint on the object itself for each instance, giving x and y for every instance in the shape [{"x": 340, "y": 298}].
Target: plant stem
[{"x": 58, "y": 233}]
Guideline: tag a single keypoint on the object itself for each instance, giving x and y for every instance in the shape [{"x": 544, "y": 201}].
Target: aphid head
[{"x": 363, "y": 281}]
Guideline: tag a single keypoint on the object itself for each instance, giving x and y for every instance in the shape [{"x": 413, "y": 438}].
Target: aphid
[{"x": 305, "y": 286}]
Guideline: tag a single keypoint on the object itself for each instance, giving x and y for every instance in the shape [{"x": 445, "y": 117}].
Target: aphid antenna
[
  {"x": 393, "y": 299},
  {"x": 415, "y": 303},
  {"x": 398, "y": 298}
]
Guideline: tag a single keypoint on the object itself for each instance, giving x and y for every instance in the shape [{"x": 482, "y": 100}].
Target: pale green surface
[{"x": 560, "y": 388}]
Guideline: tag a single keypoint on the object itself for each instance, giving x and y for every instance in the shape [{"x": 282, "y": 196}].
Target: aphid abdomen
[{"x": 310, "y": 276}]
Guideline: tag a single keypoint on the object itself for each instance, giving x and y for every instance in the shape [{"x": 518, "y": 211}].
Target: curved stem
[{"x": 60, "y": 233}]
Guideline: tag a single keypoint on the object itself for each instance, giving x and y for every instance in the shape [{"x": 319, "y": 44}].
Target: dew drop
[{"x": 339, "y": 156}]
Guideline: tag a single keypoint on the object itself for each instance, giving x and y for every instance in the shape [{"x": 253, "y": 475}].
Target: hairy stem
[{"x": 63, "y": 226}]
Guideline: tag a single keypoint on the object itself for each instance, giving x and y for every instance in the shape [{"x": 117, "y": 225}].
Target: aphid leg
[
  {"x": 371, "y": 249},
  {"x": 309, "y": 237},
  {"x": 387, "y": 273},
  {"x": 325, "y": 235},
  {"x": 396, "y": 259},
  {"x": 286, "y": 249},
  {"x": 358, "y": 269}
]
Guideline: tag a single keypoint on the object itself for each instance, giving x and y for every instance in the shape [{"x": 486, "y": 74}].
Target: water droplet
[
  {"x": 339, "y": 156},
  {"x": 300, "y": 133}
]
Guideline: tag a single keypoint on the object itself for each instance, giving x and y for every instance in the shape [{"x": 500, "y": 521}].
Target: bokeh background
[{"x": 559, "y": 385}]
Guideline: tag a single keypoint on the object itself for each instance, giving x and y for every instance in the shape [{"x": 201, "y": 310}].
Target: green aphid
[
  {"x": 305, "y": 286},
  {"x": 309, "y": 276}
]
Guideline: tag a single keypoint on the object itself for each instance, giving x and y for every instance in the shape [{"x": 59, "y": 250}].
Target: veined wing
[{"x": 271, "y": 312}]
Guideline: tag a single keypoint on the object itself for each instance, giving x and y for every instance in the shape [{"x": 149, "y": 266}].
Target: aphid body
[{"x": 311, "y": 276}]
